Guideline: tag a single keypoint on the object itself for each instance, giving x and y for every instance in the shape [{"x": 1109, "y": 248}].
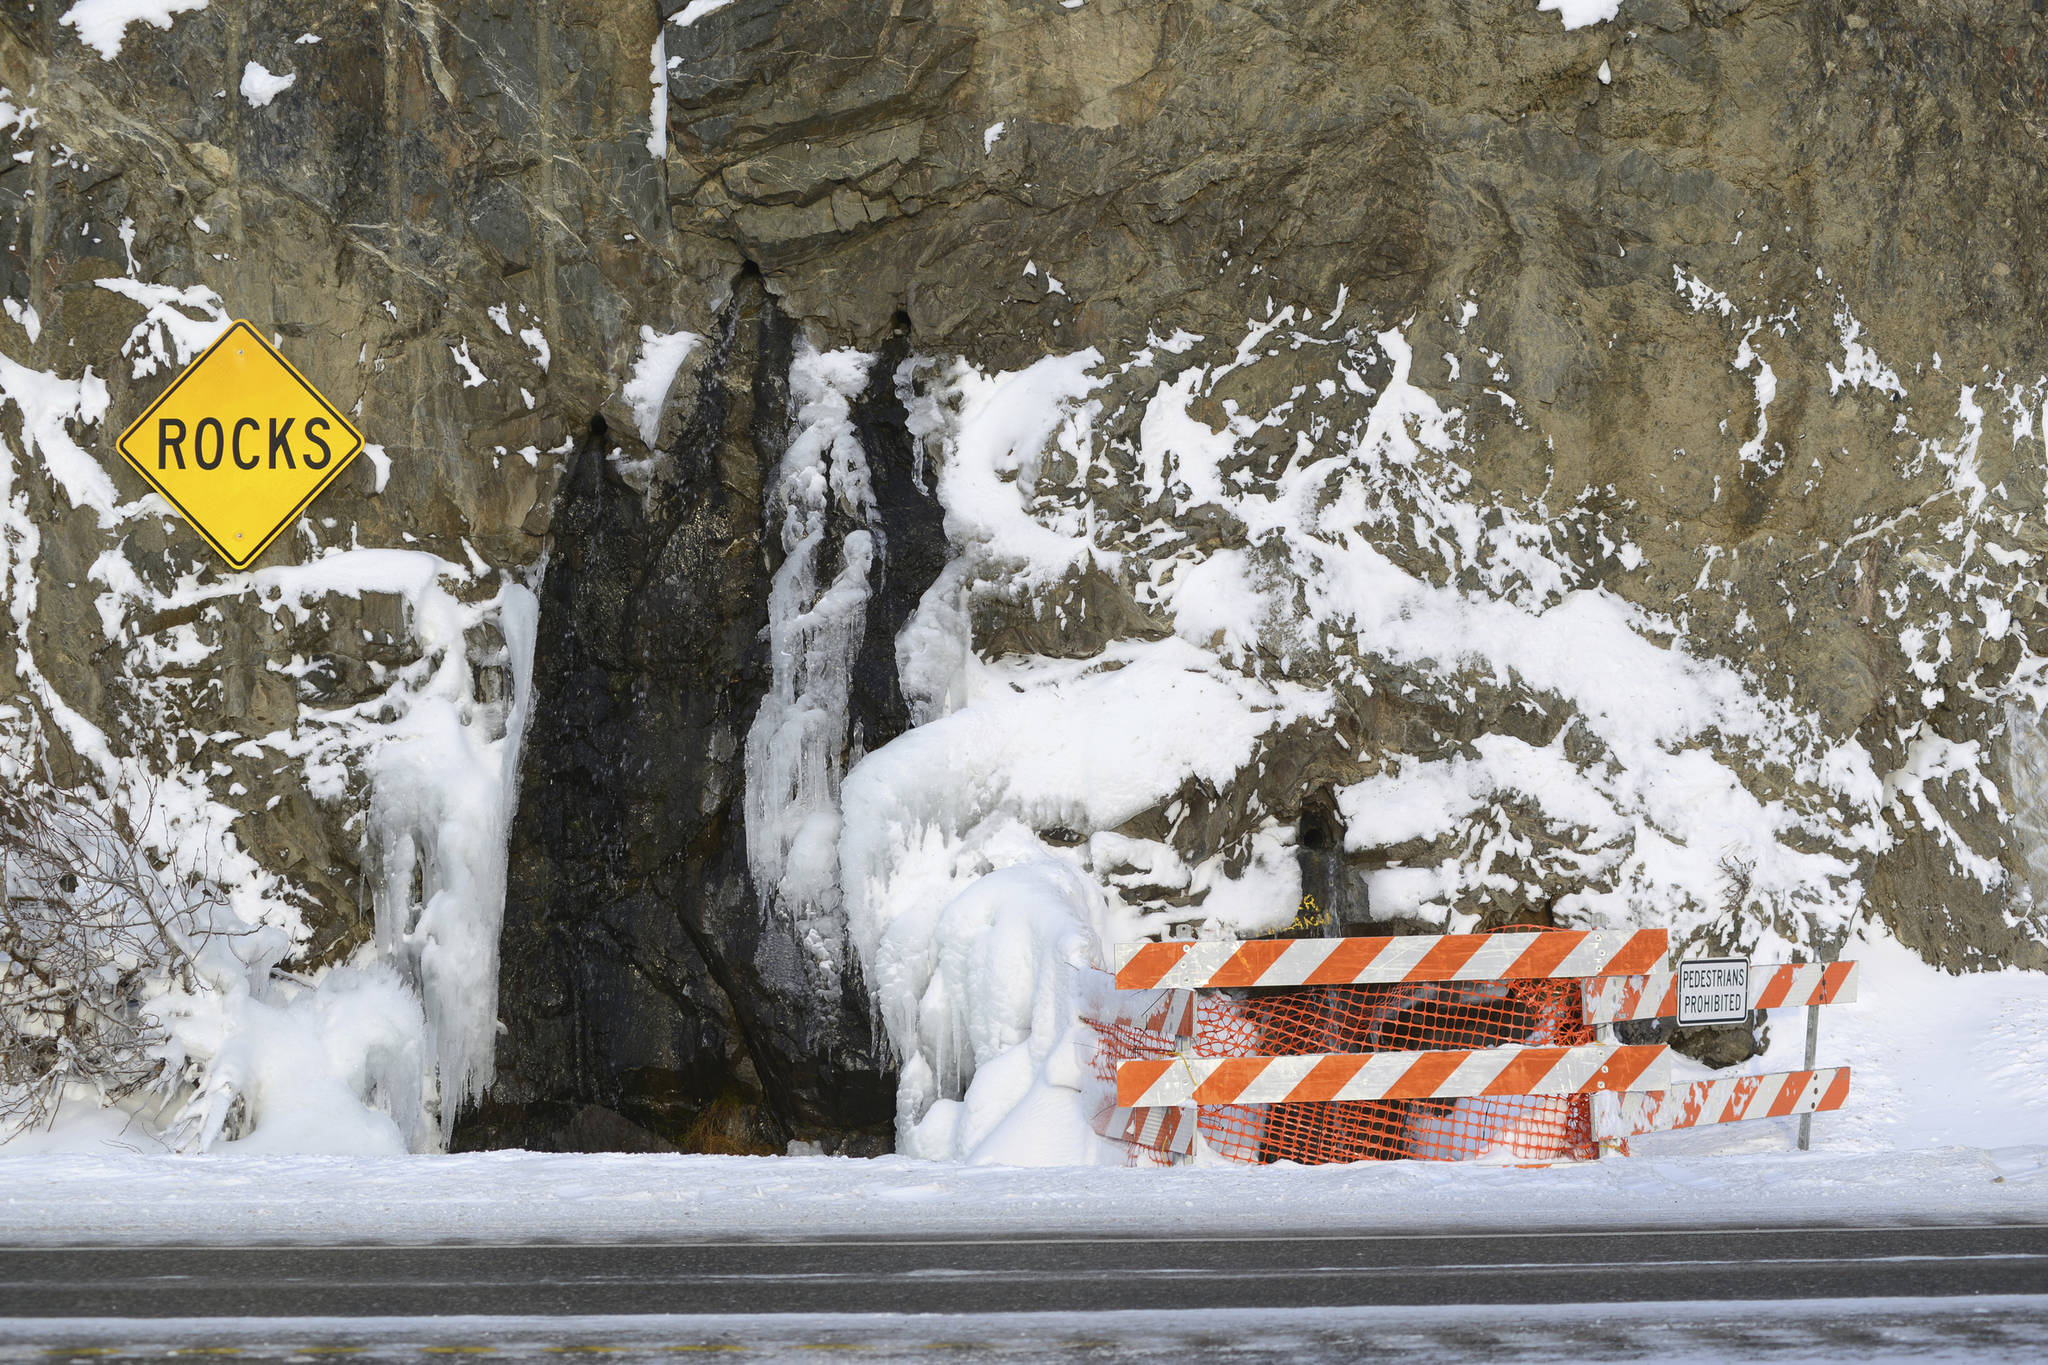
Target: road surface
[{"x": 1069, "y": 1275}]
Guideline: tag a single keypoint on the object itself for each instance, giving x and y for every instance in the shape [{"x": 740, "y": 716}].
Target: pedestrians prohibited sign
[
  {"x": 1713, "y": 990},
  {"x": 240, "y": 443}
]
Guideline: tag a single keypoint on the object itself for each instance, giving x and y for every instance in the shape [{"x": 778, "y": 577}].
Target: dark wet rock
[{"x": 644, "y": 977}]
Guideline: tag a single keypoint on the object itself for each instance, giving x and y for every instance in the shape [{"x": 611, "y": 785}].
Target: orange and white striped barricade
[
  {"x": 1168, "y": 1013},
  {"x": 1226, "y": 963},
  {"x": 1619, "y": 974},
  {"x": 1654, "y": 995},
  {"x": 1731, "y": 1099},
  {"x": 1168, "y": 973},
  {"x": 1165, "y": 1017},
  {"x": 1169, "y": 1130},
  {"x": 1152, "y": 1081}
]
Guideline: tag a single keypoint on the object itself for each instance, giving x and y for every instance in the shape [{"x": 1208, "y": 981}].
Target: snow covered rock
[{"x": 1389, "y": 460}]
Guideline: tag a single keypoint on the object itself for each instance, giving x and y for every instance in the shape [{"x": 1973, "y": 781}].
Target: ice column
[
  {"x": 2029, "y": 744},
  {"x": 444, "y": 784},
  {"x": 798, "y": 748}
]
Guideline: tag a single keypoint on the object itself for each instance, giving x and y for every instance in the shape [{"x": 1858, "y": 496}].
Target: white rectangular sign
[{"x": 1713, "y": 990}]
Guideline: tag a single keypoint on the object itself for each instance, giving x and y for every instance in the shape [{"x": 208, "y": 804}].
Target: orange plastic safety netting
[{"x": 1409, "y": 1017}]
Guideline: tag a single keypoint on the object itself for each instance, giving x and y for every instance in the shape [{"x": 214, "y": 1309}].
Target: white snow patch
[
  {"x": 657, "y": 114},
  {"x": 260, "y": 86},
  {"x": 1860, "y": 364},
  {"x": 537, "y": 341},
  {"x": 1939, "y": 1062},
  {"x": 695, "y": 10},
  {"x": 654, "y": 373},
  {"x": 1700, "y": 296},
  {"x": 24, "y": 314},
  {"x": 1580, "y": 13},
  {"x": 169, "y": 333},
  {"x": 49, "y": 407},
  {"x": 471, "y": 375},
  {"x": 103, "y": 24},
  {"x": 59, "y": 1199},
  {"x": 319, "y": 1069},
  {"x": 990, "y": 134},
  {"x": 1766, "y": 390}
]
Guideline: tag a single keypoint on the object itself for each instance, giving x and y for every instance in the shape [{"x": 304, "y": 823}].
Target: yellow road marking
[{"x": 583, "y": 1350}]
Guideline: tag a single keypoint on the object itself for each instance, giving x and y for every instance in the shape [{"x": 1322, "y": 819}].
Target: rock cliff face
[
  {"x": 1608, "y": 463},
  {"x": 1194, "y": 167}
]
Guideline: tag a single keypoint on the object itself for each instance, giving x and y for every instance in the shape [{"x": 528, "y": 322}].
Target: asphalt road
[{"x": 995, "y": 1276}]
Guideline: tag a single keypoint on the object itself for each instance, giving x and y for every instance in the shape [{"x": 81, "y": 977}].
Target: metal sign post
[{"x": 1812, "y": 1048}]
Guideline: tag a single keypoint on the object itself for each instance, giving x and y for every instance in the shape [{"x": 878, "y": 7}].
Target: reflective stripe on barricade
[
  {"x": 1654, "y": 995},
  {"x": 1170, "y": 1014},
  {"x": 1217, "y": 963},
  {"x": 1730, "y": 1099},
  {"x": 1163, "y": 1129},
  {"x": 1391, "y": 1075}
]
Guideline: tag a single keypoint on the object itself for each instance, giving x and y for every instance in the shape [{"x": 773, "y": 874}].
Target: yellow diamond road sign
[{"x": 240, "y": 443}]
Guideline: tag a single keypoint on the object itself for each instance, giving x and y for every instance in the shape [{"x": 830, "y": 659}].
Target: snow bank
[
  {"x": 329, "y": 1068},
  {"x": 61, "y": 1199}
]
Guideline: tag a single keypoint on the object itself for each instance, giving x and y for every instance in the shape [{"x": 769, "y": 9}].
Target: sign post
[
  {"x": 240, "y": 443},
  {"x": 1812, "y": 1050}
]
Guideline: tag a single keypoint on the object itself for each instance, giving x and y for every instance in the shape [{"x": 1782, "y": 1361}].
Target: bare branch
[{"x": 87, "y": 921}]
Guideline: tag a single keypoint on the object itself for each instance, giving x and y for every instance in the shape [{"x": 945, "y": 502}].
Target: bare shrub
[
  {"x": 88, "y": 925},
  {"x": 1738, "y": 879}
]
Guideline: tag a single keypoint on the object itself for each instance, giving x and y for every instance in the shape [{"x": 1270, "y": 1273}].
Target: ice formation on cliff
[{"x": 990, "y": 856}]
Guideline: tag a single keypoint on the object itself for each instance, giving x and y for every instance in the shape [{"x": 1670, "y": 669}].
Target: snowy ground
[
  {"x": 1977, "y": 1330},
  {"x": 1948, "y": 1119},
  {"x": 507, "y": 1196},
  {"x": 1936, "y": 1061}
]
